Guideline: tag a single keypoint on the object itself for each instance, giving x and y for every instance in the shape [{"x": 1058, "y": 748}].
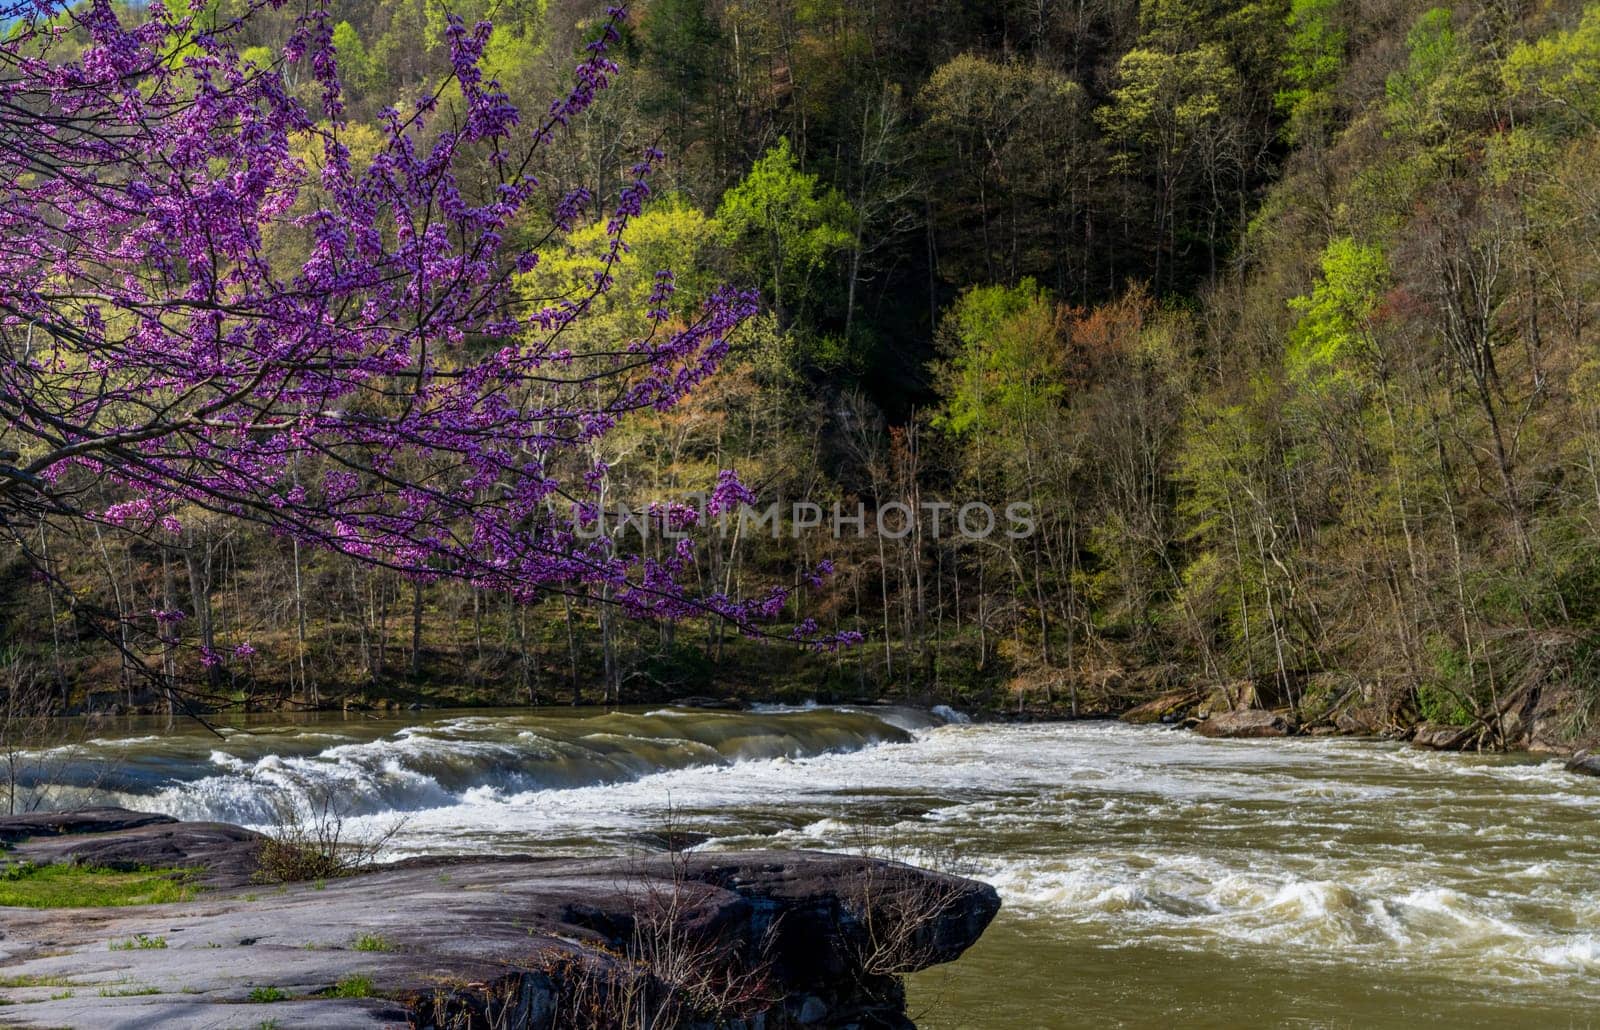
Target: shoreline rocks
[
  {"x": 776, "y": 940},
  {"x": 1168, "y": 708},
  {"x": 1247, "y": 723},
  {"x": 1586, "y": 763},
  {"x": 35, "y": 825},
  {"x": 1441, "y": 737},
  {"x": 1533, "y": 720}
]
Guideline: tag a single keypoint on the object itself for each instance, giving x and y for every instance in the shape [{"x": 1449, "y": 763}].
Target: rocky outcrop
[
  {"x": 1441, "y": 737},
  {"x": 221, "y": 854},
  {"x": 769, "y": 939},
  {"x": 1253, "y": 722},
  {"x": 81, "y": 821},
  {"x": 1587, "y": 763},
  {"x": 1168, "y": 708},
  {"x": 1354, "y": 723},
  {"x": 715, "y": 704},
  {"x": 1243, "y": 708}
]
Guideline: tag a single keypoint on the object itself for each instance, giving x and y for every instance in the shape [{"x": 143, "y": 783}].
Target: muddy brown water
[{"x": 1151, "y": 877}]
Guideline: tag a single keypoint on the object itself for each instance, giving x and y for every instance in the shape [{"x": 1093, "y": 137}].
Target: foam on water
[
  {"x": 460, "y": 761},
  {"x": 1580, "y": 952},
  {"x": 1461, "y": 865}
]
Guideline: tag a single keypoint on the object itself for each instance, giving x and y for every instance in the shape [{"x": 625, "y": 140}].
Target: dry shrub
[
  {"x": 671, "y": 972},
  {"x": 668, "y": 977},
  {"x": 312, "y": 842},
  {"x": 706, "y": 975},
  {"x": 897, "y": 908},
  {"x": 25, "y": 732},
  {"x": 897, "y": 904}
]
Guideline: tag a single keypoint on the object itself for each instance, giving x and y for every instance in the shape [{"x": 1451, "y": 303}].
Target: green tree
[
  {"x": 1009, "y": 140},
  {"x": 785, "y": 228},
  {"x": 1443, "y": 88},
  {"x": 1169, "y": 108},
  {"x": 360, "y": 76},
  {"x": 1003, "y": 360},
  {"x": 1001, "y": 382},
  {"x": 1240, "y": 573},
  {"x": 1335, "y": 328},
  {"x": 1561, "y": 71},
  {"x": 519, "y": 37},
  {"x": 1312, "y": 61},
  {"x": 669, "y": 235}
]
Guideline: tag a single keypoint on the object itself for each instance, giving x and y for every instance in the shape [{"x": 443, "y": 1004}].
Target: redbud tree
[{"x": 391, "y": 394}]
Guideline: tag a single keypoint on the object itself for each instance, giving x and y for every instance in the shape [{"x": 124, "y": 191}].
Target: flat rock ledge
[{"x": 744, "y": 940}]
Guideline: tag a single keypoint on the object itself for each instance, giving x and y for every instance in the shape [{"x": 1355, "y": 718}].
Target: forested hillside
[{"x": 1280, "y": 315}]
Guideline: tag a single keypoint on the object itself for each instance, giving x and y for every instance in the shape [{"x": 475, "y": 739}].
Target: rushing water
[{"x": 1151, "y": 877}]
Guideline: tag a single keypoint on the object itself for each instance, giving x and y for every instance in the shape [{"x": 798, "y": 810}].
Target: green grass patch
[
  {"x": 372, "y": 942},
  {"x": 34, "y": 981},
  {"x": 139, "y": 942},
  {"x": 351, "y": 987},
  {"x": 72, "y": 886},
  {"x": 37, "y": 981},
  {"x": 268, "y": 994},
  {"x": 127, "y": 992}
]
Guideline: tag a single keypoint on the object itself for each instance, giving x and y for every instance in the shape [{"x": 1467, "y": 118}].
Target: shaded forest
[{"x": 1280, "y": 315}]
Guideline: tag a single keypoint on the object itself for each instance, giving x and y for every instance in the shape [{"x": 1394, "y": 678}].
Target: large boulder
[
  {"x": 1586, "y": 762},
  {"x": 1252, "y": 722},
  {"x": 789, "y": 939},
  {"x": 1441, "y": 737}
]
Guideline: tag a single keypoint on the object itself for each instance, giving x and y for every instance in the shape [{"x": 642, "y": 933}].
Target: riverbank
[
  {"x": 1545, "y": 711},
  {"x": 1540, "y": 722},
  {"x": 778, "y": 940}
]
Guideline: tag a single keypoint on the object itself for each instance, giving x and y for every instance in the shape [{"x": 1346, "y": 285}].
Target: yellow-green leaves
[
  {"x": 1335, "y": 331},
  {"x": 1431, "y": 48},
  {"x": 1445, "y": 85},
  {"x": 1311, "y": 65},
  {"x": 786, "y": 226},
  {"x": 1004, "y": 364},
  {"x": 1561, "y": 71},
  {"x": 356, "y": 70},
  {"x": 1165, "y": 99},
  {"x": 974, "y": 101},
  {"x": 667, "y": 236}
]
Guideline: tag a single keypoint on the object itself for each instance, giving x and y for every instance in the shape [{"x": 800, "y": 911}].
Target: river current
[{"x": 1150, "y": 877}]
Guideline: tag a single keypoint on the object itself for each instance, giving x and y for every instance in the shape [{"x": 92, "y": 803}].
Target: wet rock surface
[
  {"x": 787, "y": 939},
  {"x": 34, "y": 825},
  {"x": 1441, "y": 737},
  {"x": 1587, "y": 763},
  {"x": 1252, "y": 722}
]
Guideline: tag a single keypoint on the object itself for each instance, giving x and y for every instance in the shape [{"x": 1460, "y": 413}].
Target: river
[{"x": 1151, "y": 877}]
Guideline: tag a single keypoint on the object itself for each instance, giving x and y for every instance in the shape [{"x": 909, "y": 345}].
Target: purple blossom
[{"x": 233, "y": 389}]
